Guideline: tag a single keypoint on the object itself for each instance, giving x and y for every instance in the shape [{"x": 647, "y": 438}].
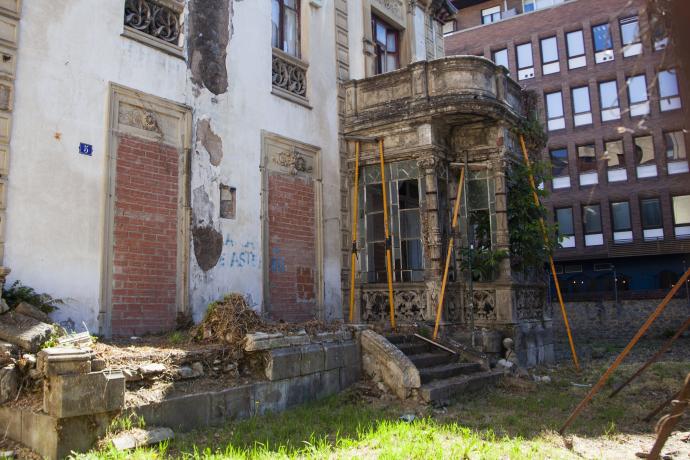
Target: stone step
[
  {"x": 447, "y": 389},
  {"x": 400, "y": 338},
  {"x": 431, "y": 359},
  {"x": 414, "y": 348},
  {"x": 446, "y": 371}
]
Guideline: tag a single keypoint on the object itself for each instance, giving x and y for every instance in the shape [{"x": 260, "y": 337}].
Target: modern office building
[{"x": 616, "y": 118}]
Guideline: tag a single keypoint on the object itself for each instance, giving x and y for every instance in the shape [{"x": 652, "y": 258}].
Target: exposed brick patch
[
  {"x": 292, "y": 247},
  {"x": 145, "y": 238}
]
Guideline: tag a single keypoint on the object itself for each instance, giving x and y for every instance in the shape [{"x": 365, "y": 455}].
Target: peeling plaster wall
[
  {"x": 56, "y": 197},
  {"x": 238, "y": 118}
]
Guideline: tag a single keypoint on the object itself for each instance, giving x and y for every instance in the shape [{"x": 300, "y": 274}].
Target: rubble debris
[
  {"x": 138, "y": 437},
  {"x": 4, "y": 308},
  {"x": 76, "y": 340},
  {"x": 98, "y": 364},
  {"x": 25, "y": 308},
  {"x": 132, "y": 375},
  {"x": 187, "y": 372},
  {"x": 9, "y": 383},
  {"x": 24, "y": 331},
  {"x": 228, "y": 320},
  {"x": 152, "y": 369}
]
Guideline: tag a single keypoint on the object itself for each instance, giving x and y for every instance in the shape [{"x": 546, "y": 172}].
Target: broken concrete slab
[
  {"x": 137, "y": 437},
  {"x": 63, "y": 361},
  {"x": 260, "y": 341},
  {"x": 74, "y": 395},
  {"x": 152, "y": 369},
  {"x": 283, "y": 363},
  {"x": 82, "y": 339},
  {"x": 25, "y": 308},
  {"x": 187, "y": 372},
  {"x": 24, "y": 331},
  {"x": 9, "y": 383},
  {"x": 312, "y": 359}
]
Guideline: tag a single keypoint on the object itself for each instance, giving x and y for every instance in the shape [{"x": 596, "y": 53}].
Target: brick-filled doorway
[
  {"x": 146, "y": 248},
  {"x": 292, "y": 231}
]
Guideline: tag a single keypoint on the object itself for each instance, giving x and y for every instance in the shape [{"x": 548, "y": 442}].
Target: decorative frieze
[
  {"x": 158, "y": 19},
  {"x": 289, "y": 76}
]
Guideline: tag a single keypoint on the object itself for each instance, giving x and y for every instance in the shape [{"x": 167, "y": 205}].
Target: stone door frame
[
  {"x": 151, "y": 118},
  {"x": 271, "y": 144}
]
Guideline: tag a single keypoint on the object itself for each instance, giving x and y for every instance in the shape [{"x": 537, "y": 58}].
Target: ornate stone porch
[{"x": 435, "y": 116}]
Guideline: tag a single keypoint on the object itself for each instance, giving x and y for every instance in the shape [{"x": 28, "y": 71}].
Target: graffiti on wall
[{"x": 238, "y": 254}]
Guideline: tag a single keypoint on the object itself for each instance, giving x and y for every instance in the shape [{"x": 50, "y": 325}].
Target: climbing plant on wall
[{"x": 528, "y": 249}]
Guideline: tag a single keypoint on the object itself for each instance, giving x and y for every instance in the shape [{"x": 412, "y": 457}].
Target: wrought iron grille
[
  {"x": 289, "y": 74},
  {"x": 153, "y": 19}
]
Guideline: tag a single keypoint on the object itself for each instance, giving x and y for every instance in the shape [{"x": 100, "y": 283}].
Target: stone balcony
[{"x": 460, "y": 89}]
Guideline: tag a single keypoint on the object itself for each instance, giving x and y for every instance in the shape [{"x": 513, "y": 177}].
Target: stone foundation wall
[{"x": 615, "y": 323}]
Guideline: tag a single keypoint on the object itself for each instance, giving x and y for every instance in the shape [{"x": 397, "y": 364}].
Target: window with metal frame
[
  {"x": 404, "y": 192},
  {"x": 676, "y": 155},
  {"x": 576, "y": 49},
  {"x": 500, "y": 57},
  {"x": 681, "y": 215},
  {"x": 490, "y": 15},
  {"x": 637, "y": 95},
  {"x": 525, "y": 61},
  {"x": 621, "y": 222},
  {"x": 549, "y": 55},
  {"x": 608, "y": 100},
  {"x": 614, "y": 156},
  {"x": 644, "y": 157},
  {"x": 285, "y": 20},
  {"x": 587, "y": 164},
  {"x": 565, "y": 227},
  {"x": 603, "y": 43},
  {"x": 630, "y": 36},
  {"x": 582, "y": 107},
  {"x": 559, "y": 168},
  {"x": 386, "y": 44},
  {"x": 669, "y": 97},
  {"x": 591, "y": 223},
  {"x": 652, "y": 223},
  {"x": 554, "y": 111}
]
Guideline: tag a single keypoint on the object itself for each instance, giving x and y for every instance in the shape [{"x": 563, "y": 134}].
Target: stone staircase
[{"x": 444, "y": 375}]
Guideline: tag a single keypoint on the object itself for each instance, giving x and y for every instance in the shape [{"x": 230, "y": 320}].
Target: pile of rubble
[{"x": 24, "y": 331}]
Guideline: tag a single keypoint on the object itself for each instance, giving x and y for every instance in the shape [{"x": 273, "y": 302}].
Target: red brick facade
[
  {"x": 558, "y": 21},
  {"x": 145, "y": 238},
  {"x": 292, "y": 247}
]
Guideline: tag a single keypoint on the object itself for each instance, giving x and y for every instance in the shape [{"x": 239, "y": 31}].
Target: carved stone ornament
[
  {"x": 139, "y": 118},
  {"x": 295, "y": 162},
  {"x": 394, "y": 8},
  {"x": 153, "y": 19},
  {"x": 484, "y": 305},
  {"x": 289, "y": 76},
  {"x": 409, "y": 305},
  {"x": 529, "y": 303}
]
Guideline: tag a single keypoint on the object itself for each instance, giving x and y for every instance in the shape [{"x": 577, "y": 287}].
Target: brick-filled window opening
[
  {"x": 608, "y": 100},
  {"x": 500, "y": 57},
  {"x": 669, "y": 97},
  {"x": 525, "y": 61},
  {"x": 554, "y": 111},
  {"x": 559, "y": 168},
  {"x": 587, "y": 164},
  {"x": 576, "y": 49},
  {"x": 614, "y": 156},
  {"x": 681, "y": 216},
  {"x": 490, "y": 15},
  {"x": 386, "y": 44},
  {"x": 591, "y": 222},
  {"x": 644, "y": 157},
  {"x": 582, "y": 107},
  {"x": 630, "y": 36},
  {"x": 621, "y": 222},
  {"x": 652, "y": 223},
  {"x": 549, "y": 55},
  {"x": 285, "y": 23},
  {"x": 676, "y": 154},
  {"x": 603, "y": 43},
  {"x": 565, "y": 227},
  {"x": 404, "y": 192},
  {"x": 228, "y": 202},
  {"x": 637, "y": 95}
]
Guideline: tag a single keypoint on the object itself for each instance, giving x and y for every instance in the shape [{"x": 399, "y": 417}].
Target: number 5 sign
[{"x": 86, "y": 149}]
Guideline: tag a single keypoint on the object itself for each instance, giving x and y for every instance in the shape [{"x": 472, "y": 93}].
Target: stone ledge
[{"x": 383, "y": 360}]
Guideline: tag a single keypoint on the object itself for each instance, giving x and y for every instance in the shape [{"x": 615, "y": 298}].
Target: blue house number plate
[{"x": 86, "y": 149}]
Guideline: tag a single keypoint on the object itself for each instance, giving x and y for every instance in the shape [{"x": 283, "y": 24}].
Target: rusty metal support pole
[
  {"x": 653, "y": 359},
  {"x": 666, "y": 424},
  {"x": 353, "y": 257},
  {"x": 449, "y": 253},
  {"x": 599, "y": 385},
  {"x": 389, "y": 245},
  {"x": 551, "y": 264}
]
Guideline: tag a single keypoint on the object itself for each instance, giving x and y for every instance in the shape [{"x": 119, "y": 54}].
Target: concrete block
[
  {"x": 27, "y": 309},
  {"x": 94, "y": 393},
  {"x": 312, "y": 359},
  {"x": 329, "y": 384},
  {"x": 270, "y": 397},
  {"x": 11, "y": 423},
  {"x": 260, "y": 341},
  {"x": 9, "y": 383},
  {"x": 231, "y": 404},
  {"x": 63, "y": 361},
  {"x": 333, "y": 355},
  {"x": 302, "y": 389},
  {"x": 184, "y": 413},
  {"x": 283, "y": 363},
  {"x": 24, "y": 331},
  {"x": 351, "y": 354},
  {"x": 138, "y": 437}
]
